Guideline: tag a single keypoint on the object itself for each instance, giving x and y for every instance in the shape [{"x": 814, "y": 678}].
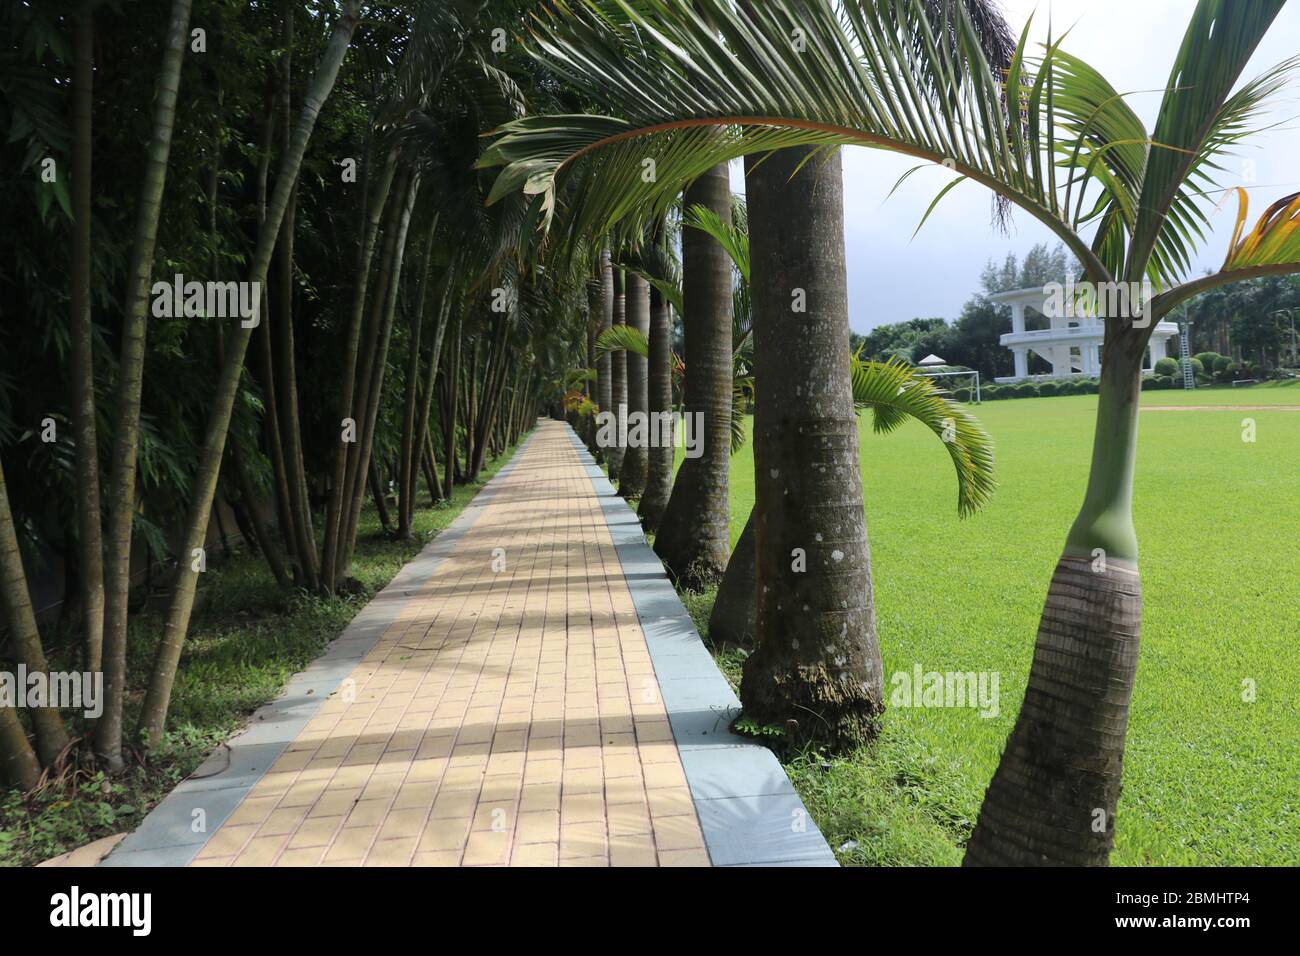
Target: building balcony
[{"x": 1074, "y": 335}]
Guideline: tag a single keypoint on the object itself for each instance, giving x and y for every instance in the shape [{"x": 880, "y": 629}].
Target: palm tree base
[
  {"x": 815, "y": 705},
  {"x": 1052, "y": 800}
]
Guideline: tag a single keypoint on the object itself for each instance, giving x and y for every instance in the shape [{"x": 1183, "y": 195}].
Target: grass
[
  {"x": 247, "y": 638},
  {"x": 1209, "y": 778}
]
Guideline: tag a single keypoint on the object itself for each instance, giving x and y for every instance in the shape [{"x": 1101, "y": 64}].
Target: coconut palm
[{"x": 1071, "y": 153}]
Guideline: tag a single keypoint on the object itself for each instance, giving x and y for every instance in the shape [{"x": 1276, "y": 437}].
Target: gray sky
[{"x": 893, "y": 278}]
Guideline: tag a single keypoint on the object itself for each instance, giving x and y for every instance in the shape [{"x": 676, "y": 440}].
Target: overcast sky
[{"x": 893, "y": 278}]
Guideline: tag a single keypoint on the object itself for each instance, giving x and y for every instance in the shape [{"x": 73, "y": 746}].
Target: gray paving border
[
  {"x": 166, "y": 836},
  {"x": 749, "y": 811}
]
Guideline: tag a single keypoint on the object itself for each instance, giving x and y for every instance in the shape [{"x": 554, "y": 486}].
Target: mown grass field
[{"x": 1209, "y": 778}]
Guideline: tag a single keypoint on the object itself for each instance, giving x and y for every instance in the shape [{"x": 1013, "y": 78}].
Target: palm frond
[
  {"x": 622, "y": 338},
  {"x": 895, "y": 392}
]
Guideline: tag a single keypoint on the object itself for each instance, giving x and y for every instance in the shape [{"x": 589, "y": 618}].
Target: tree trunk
[
  {"x": 287, "y": 378},
  {"x": 618, "y": 378},
  {"x": 90, "y": 547},
  {"x": 734, "y": 619},
  {"x": 18, "y": 764},
  {"x": 266, "y": 375},
  {"x": 154, "y": 712},
  {"x": 817, "y": 670},
  {"x": 369, "y": 410},
  {"x": 632, "y": 476},
  {"x": 378, "y": 491},
  {"x": 410, "y": 451},
  {"x": 20, "y": 619},
  {"x": 694, "y": 538},
  {"x": 431, "y": 470},
  {"x": 373, "y": 207},
  {"x": 605, "y": 363},
  {"x": 126, "y": 437},
  {"x": 1052, "y": 799},
  {"x": 450, "y": 403},
  {"x": 659, "y": 466}
]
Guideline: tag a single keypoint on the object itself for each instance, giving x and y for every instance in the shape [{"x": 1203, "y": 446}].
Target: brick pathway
[{"x": 510, "y": 713}]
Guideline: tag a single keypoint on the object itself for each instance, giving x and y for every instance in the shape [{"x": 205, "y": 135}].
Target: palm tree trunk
[
  {"x": 20, "y": 619},
  {"x": 266, "y": 356},
  {"x": 694, "y": 536},
  {"x": 659, "y": 467},
  {"x": 126, "y": 437},
  {"x": 409, "y": 463},
  {"x": 1052, "y": 799},
  {"x": 18, "y": 764},
  {"x": 734, "y": 619},
  {"x": 618, "y": 379},
  {"x": 375, "y": 380},
  {"x": 431, "y": 469},
  {"x": 817, "y": 670},
  {"x": 377, "y": 492},
  {"x": 431, "y": 381},
  {"x": 270, "y": 547},
  {"x": 605, "y": 363},
  {"x": 632, "y": 476},
  {"x": 373, "y": 204},
  {"x": 154, "y": 712},
  {"x": 90, "y": 551},
  {"x": 450, "y": 402}
]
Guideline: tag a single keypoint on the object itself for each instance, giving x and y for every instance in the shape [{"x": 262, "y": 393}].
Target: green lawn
[{"x": 1209, "y": 778}]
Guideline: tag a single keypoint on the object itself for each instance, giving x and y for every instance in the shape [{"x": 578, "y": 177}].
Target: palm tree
[
  {"x": 659, "y": 398},
  {"x": 894, "y": 392},
  {"x": 632, "y": 476},
  {"x": 694, "y": 535},
  {"x": 1072, "y": 154}
]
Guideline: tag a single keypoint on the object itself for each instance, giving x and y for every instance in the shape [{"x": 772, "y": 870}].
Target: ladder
[{"x": 1185, "y": 355}]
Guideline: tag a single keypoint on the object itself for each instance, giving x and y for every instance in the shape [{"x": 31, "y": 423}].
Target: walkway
[{"x": 528, "y": 691}]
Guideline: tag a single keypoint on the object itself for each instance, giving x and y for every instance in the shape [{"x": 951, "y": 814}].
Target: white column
[
  {"x": 1158, "y": 349},
  {"x": 1017, "y": 317},
  {"x": 1022, "y": 361}
]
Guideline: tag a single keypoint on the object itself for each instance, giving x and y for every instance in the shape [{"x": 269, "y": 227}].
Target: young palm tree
[{"x": 1071, "y": 153}]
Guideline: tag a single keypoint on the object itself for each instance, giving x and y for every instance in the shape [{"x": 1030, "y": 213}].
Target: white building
[{"x": 1071, "y": 344}]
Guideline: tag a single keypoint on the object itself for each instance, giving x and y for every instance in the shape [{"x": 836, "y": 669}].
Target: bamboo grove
[{"x": 400, "y": 335}]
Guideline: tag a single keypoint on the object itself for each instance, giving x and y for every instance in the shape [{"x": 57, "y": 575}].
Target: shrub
[
  {"x": 1207, "y": 359},
  {"x": 991, "y": 393},
  {"x": 1164, "y": 381},
  {"x": 1049, "y": 388},
  {"x": 963, "y": 394},
  {"x": 1089, "y": 386},
  {"x": 1167, "y": 366},
  {"x": 1027, "y": 390},
  {"x": 1148, "y": 382},
  {"x": 1198, "y": 367},
  {"x": 1231, "y": 371}
]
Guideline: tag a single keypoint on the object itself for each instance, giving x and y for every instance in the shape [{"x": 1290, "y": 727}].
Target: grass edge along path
[{"x": 247, "y": 640}]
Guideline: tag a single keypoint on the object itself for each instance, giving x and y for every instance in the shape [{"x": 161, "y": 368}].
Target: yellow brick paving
[{"x": 509, "y": 715}]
